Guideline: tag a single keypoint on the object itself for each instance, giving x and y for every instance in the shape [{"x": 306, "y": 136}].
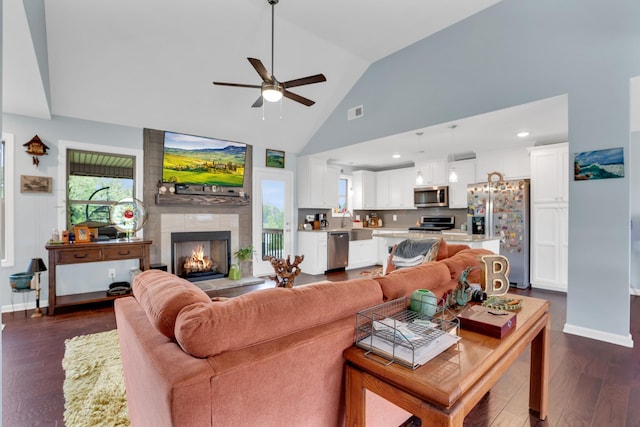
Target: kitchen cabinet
[
  {"x": 382, "y": 246},
  {"x": 466, "y": 171},
  {"x": 362, "y": 253},
  {"x": 550, "y": 173},
  {"x": 549, "y": 217},
  {"x": 317, "y": 184},
  {"x": 364, "y": 189},
  {"x": 512, "y": 164},
  {"x": 434, "y": 172},
  {"x": 394, "y": 189},
  {"x": 313, "y": 245}
]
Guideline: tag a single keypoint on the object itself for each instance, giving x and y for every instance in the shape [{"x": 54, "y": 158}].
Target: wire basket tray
[{"x": 397, "y": 334}]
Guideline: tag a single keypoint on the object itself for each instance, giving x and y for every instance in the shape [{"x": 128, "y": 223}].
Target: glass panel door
[{"x": 272, "y": 218}]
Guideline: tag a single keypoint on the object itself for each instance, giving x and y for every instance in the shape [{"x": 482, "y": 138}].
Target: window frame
[
  {"x": 8, "y": 258},
  {"x": 61, "y": 186}
]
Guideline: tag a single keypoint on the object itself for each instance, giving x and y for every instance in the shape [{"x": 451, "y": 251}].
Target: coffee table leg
[
  {"x": 355, "y": 395},
  {"x": 539, "y": 374}
]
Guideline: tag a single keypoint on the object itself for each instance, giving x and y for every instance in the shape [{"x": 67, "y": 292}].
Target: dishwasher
[{"x": 337, "y": 250}]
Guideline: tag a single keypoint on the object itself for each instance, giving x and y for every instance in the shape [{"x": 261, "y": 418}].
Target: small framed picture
[
  {"x": 35, "y": 184},
  {"x": 275, "y": 158},
  {"x": 83, "y": 234}
]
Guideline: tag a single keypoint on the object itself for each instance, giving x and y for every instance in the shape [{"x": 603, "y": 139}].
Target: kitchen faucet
[{"x": 344, "y": 217}]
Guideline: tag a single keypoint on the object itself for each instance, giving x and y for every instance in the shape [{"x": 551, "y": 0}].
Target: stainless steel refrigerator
[{"x": 502, "y": 210}]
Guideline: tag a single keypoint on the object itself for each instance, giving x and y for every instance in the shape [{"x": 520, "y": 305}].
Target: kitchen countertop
[{"x": 449, "y": 237}]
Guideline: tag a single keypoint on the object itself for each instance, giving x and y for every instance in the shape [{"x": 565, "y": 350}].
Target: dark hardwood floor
[{"x": 591, "y": 383}]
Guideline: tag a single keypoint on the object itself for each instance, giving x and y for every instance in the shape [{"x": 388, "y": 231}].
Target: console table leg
[
  {"x": 355, "y": 411},
  {"x": 539, "y": 373}
]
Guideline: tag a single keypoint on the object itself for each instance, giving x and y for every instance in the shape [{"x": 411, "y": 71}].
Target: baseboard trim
[{"x": 625, "y": 341}]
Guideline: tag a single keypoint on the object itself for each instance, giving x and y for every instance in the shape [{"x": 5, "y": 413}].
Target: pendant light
[
  {"x": 453, "y": 176},
  {"x": 419, "y": 176}
]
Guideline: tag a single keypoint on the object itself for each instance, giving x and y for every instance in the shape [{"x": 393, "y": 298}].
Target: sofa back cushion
[
  {"x": 401, "y": 283},
  {"x": 162, "y": 295},
  {"x": 467, "y": 258},
  {"x": 206, "y": 329}
]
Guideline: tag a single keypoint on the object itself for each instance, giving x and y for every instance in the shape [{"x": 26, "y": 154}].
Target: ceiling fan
[{"x": 271, "y": 89}]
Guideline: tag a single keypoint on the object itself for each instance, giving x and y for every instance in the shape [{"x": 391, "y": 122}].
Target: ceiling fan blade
[
  {"x": 262, "y": 71},
  {"x": 295, "y": 97},
  {"x": 318, "y": 78},
  {"x": 237, "y": 85},
  {"x": 258, "y": 102}
]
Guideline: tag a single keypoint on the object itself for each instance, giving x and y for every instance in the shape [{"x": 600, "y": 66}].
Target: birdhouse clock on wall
[{"x": 36, "y": 148}]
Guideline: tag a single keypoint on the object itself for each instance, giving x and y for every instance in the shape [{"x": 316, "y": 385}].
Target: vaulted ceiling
[{"x": 151, "y": 63}]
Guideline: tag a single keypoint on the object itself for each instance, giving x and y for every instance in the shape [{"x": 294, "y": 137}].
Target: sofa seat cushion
[
  {"x": 206, "y": 329},
  {"x": 434, "y": 276},
  {"x": 162, "y": 295}
]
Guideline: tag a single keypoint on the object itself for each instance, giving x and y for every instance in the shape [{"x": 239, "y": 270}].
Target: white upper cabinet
[
  {"x": 317, "y": 184},
  {"x": 434, "y": 172},
  {"x": 466, "y": 171},
  {"x": 394, "y": 189},
  {"x": 512, "y": 164},
  {"x": 364, "y": 189},
  {"x": 550, "y": 174}
]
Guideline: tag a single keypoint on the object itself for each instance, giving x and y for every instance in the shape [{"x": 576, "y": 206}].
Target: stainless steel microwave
[{"x": 430, "y": 197}]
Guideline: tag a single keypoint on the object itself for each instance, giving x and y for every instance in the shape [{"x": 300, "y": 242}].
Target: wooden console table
[
  {"x": 444, "y": 390},
  {"x": 79, "y": 253}
]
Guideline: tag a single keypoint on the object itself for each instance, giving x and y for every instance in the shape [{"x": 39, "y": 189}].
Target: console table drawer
[
  {"x": 75, "y": 257},
  {"x": 124, "y": 252}
]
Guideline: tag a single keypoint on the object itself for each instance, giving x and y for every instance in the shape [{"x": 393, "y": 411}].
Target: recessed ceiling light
[
  {"x": 522, "y": 134},
  {"x": 396, "y": 156}
]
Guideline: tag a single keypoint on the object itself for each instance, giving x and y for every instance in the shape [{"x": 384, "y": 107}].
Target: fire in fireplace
[
  {"x": 201, "y": 255},
  {"x": 198, "y": 262}
]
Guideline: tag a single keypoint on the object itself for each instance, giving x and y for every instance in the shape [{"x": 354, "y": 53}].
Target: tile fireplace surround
[{"x": 177, "y": 223}]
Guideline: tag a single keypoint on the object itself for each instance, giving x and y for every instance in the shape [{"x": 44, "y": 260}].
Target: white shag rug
[{"x": 94, "y": 392}]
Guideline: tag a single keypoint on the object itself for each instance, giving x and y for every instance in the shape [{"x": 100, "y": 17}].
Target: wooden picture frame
[
  {"x": 83, "y": 234},
  {"x": 274, "y": 159},
  {"x": 35, "y": 184}
]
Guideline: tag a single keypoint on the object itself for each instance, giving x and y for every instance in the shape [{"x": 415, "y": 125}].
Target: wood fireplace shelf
[{"x": 214, "y": 199}]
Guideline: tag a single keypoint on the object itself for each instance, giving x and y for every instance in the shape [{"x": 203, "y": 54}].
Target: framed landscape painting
[
  {"x": 599, "y": 164},
  {"x": 275, "y": 158}
]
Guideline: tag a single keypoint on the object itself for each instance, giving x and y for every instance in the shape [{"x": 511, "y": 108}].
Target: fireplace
[{"x": 201, "y": 255}]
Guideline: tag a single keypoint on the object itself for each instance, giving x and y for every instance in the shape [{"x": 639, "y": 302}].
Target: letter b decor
[{"x": 496, "y": 274}]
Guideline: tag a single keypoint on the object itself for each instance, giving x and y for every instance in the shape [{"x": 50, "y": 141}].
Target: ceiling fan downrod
[{"x": 272, "y": 3}]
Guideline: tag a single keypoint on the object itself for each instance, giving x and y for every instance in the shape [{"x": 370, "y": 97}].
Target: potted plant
[{"x": 244, "y": 256}]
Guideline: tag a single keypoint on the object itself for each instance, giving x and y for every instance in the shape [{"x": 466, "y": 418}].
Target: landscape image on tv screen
[{"x": 199, "y": 160}]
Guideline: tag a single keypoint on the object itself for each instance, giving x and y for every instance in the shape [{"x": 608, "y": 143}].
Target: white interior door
[{"x": 272, "y": 217}]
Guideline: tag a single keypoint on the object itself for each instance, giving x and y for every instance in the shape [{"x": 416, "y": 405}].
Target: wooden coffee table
[{"x": 443, "y": 391}]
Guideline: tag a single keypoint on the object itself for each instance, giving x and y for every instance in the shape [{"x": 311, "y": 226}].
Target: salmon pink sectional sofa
[{"x": 271, "y": 357}]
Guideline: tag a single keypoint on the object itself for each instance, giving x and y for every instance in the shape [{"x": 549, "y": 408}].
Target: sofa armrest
[{"x": 161, "y": 380}]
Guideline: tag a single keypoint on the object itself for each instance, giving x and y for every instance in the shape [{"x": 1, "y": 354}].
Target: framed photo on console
[{"x": 83, "y": 234}]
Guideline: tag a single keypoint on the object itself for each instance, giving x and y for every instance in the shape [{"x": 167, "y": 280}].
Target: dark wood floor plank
[
  {"x": 579, "y": 411},
  {"x": 611, "y": 409}
]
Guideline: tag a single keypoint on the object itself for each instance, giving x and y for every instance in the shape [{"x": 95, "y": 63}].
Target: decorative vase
[
  {"x": 234, "y": 272},
  {"x": 424, "y": 301}
]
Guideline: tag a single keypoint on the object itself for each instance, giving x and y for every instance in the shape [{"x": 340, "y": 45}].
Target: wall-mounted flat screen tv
[{"x": 197, "y": 160}]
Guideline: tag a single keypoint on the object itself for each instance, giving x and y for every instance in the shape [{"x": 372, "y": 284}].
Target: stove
[{"x": 434, "y": 224}]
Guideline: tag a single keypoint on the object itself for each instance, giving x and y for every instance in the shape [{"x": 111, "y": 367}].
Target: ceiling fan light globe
[{"x": 271, "y": 94}]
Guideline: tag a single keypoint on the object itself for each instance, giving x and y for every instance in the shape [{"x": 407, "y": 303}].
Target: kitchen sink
[{"x": 360, "y": 234}]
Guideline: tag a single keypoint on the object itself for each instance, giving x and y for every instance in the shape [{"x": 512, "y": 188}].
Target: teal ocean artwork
[{"x": 599, "y": 164}]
